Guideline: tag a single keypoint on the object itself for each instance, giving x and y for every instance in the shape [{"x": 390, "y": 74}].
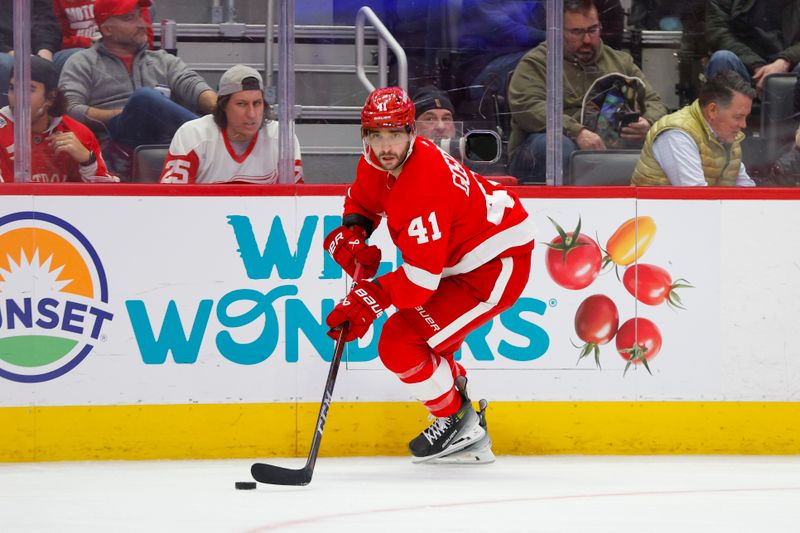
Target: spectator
[
  {"x": 434, "y": 114},
  {"x": 79, "y": 29},
  {"x": 588, "y": 66},
  {"x": 45, "y": 37},
  {"x": 700, "y": 144},
  {"x": 495, "y": 34},
  {"x": 234, "y": 144},
  {"x": 134, "y": 95},
  {"x": 754, "y": 38},
  {"x": 62, "y": 149}
]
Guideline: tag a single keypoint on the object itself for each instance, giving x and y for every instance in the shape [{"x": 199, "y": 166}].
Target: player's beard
[{"x": 392, "y": 164}]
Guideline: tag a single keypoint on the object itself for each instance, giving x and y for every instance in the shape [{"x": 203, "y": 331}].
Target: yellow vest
[{"x": 720, "y": 165}]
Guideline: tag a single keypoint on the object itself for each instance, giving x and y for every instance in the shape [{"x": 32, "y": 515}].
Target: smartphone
[{"x": 628, "y": 118}]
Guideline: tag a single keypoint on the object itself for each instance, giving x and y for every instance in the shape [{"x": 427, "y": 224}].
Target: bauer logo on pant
[{"x": 53, "y": 297}]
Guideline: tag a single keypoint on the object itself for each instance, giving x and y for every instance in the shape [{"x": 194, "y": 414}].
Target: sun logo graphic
[{"x": 53, "y": 297}]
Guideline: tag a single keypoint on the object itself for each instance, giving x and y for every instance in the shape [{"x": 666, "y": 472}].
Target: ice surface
[{"x": 673, "y": 494}]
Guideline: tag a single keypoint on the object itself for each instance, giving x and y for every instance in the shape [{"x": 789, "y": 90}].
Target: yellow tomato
[{"x": 631, "y": 240}]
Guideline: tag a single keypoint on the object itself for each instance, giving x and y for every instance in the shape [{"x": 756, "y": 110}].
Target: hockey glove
[
  {"x": 347, "y": 246},
  {"x": 360, "y": 308}
]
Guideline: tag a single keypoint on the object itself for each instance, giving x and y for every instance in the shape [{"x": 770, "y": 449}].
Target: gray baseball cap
[{"x": 233, "y": 80}]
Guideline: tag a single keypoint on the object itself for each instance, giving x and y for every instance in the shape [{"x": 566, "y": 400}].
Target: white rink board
[{"x": 730, "y": 344}]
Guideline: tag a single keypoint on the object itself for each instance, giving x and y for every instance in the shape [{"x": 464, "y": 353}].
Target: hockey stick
[{"x": 277, "y": 475}]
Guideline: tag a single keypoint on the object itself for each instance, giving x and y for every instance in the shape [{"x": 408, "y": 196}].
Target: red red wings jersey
[
  {"x": 444, "y": 219},
  {"x": 46, "y": 164},
  {"x": 201, "y": 152}
]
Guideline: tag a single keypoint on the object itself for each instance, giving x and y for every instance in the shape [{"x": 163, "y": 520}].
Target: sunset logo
[{"x": 53, "y": 297}]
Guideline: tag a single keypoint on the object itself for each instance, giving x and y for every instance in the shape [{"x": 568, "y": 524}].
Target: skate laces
[{"x": 437, "y": 429}]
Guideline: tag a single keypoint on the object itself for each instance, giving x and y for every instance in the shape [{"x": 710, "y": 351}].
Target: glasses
[{"x": 578, "y": 33}]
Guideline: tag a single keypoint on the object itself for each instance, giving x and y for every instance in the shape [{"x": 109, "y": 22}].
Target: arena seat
[
  {"x": 778, "y": 118},
  {"x": 601, "y": 167},
  {"x": 148, "y": 160}
]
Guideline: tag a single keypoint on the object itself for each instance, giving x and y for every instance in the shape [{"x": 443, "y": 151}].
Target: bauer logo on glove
[
  {"x": 334, "y": 242},
  {"x": 360, "y": 308},
  {"x": 370, "y": 301}
]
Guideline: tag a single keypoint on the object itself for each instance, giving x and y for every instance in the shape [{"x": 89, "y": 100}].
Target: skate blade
[
  {"x": 480, "y": 452},
  {"x": 465, "y": 457},
  {"x": 475, "y": 434}
]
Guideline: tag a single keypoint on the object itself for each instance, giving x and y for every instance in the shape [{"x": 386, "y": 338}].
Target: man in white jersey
[{"x": 234, "y": 144}]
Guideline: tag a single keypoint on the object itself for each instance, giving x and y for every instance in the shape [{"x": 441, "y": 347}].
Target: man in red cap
[
  {"x": 79, "y": 28},
  {"x": 126, "y": 92}
]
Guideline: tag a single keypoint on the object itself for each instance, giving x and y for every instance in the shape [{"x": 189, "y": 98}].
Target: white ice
[{"x": 672, "y": 494}]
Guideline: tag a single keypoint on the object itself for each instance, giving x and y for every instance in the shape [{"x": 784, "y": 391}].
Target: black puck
[{"x": 245, "y": 485}]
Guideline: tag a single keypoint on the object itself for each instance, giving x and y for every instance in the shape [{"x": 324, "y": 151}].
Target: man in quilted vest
[{"x": 700, "y": 144}]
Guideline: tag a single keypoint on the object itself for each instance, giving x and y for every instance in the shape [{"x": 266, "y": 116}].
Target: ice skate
[
  {"x": 448, "y": 434},
  {"x": 478, "y": 453}
]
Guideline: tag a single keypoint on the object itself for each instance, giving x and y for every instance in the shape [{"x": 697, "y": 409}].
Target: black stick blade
[{"x": 276, "y": 475}]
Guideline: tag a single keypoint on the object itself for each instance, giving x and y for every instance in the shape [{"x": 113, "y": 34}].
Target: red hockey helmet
[{"x": 388, "y": 107}]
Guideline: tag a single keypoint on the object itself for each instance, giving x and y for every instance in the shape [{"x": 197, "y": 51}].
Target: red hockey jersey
[
  {"x": 46, "y": 165},
  {"x": 78, "y": 27},
  {"x": 445, "y": 219}
]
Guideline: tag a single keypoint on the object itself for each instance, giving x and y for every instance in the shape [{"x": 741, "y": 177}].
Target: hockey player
[
  {"x": 234, "y": 144},
  {"x": 62, "y": 149},
  {"x": 466, "y": 245}
]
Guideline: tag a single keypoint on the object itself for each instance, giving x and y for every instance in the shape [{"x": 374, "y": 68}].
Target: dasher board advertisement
[{"x": 108, "y": 300}]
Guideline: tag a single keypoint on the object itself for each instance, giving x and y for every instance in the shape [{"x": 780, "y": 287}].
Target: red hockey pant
[{"x": 418, "y": 343}]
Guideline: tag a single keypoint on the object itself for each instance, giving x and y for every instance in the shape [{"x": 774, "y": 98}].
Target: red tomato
[
  {"x": 596, "y": 322},
  {"x": 573, "y": 262},
  {"x": 652, "y": 285},
  {"x": 638, "y": 341}
]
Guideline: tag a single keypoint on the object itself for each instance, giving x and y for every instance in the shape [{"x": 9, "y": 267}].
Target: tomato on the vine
[
  {"x": 596, "y": 322},
  {"x": 652, "y": 285},
  {"x": 573, "y": 260},
  {"x": 638, "y": 341},
  {"x": 630, "y": 241}
]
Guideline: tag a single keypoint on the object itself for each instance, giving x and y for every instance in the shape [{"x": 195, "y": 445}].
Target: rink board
[
  {"x": 188, "y": 323},
  {"x": 359, "y": 429}
]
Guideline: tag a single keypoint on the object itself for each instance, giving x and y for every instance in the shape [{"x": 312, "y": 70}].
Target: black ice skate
[
  {"x": 477, "y": 453},
  {"x": 448, "y": 434}
]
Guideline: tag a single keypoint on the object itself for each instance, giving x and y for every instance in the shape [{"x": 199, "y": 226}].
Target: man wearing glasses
[{"x": 586, "y": 59}]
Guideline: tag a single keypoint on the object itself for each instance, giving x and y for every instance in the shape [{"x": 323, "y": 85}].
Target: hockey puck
[{"x": 245, "y": 485}]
